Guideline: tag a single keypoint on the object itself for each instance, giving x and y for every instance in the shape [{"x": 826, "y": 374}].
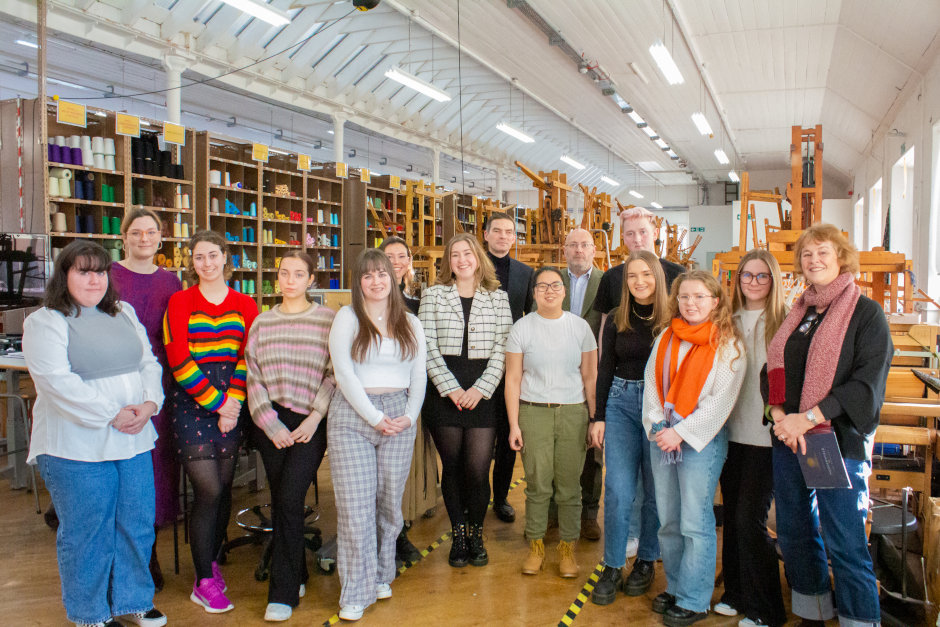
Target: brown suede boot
[
  {"x": 533, "y": 562},
  {"x": 567, "y": 566}
]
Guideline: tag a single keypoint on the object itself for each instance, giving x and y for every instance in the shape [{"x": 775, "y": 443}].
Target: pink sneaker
[
  {"x": 217, "y": 575},
  {"x": 208, "y": 594}
]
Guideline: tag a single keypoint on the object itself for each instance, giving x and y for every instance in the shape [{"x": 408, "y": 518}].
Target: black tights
[
  {"x": 212, "y": 507},
  {"x": 465, "y": 480}
]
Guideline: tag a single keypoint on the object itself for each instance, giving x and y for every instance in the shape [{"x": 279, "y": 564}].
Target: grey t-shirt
[
  {"x": 551, "y": 356},
  {"x": 101, "y": 345}
]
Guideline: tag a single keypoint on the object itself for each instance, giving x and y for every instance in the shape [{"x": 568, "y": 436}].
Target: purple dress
[{"x": 149, "y": 294}]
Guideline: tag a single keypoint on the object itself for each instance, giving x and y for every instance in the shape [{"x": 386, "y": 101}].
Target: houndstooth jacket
[{"x": 441, "y": 314}]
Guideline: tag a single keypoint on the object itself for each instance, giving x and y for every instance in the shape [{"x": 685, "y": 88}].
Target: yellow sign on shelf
[
  {"x": 342, "y": 170},
  {"x": 71, "y": 113},
  {"x": 259, "y": 152},
  {"x": 174, "y": 134},
  {"x": 364, "y": 175},
  {"x": 303, "y": 162},
  {"x": 394, "y": 182},
  {"x": 125, "y": 124}
]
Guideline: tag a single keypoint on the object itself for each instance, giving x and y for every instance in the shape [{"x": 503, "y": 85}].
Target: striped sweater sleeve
[
  {"x": 185, "y": 369},
  {"x": 238, "y": 384}
]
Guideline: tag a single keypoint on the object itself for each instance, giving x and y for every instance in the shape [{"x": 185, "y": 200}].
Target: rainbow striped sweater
[{"x": 197, "y": 332}]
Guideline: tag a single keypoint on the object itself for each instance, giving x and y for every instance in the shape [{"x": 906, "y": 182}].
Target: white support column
[
  {"x": 436, "y": 166},
  {"x": 174, "y": 65},
  {"x": 339, "y": 121}
]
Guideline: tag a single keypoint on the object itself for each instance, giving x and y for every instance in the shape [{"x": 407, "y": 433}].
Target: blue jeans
[
  {"x": 106, "y": 514},
  {"x": 627, "y": 457},
  {"x": 841, "y": 513},
  {"x": 685, "y": 494}
]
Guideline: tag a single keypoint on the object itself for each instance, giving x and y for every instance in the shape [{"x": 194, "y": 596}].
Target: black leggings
[
  {"x": 465, "y": 480},
  {"x": 212, "y": 507}
]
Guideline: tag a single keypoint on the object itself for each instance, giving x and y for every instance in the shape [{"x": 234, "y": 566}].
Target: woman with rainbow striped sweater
[{"x": 204, "y": 331}]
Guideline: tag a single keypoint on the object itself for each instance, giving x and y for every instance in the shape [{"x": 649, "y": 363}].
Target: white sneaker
[
  {"x": 302, "y": 591},
  {"x": 383, "y": 591},
  {"x": 750, "y": 622},
  {"x": 351, "y": 612},
  {"x": 724, "y": 609},
  {"x": 632, "y": 545},
  {"x": 277, "y": 612},
  {"x": 150, "y": 618}
]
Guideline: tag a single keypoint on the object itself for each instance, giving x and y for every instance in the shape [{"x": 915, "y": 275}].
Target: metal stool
[{"x": 24, "y": 412}]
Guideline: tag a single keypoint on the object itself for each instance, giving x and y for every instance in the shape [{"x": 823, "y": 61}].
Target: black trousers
[
  {"x": 504, "y": 457},
  {"x": 748, "y": 557},
  {"x": 592, "y": 483},
  {"x": 290, "y": 472}
]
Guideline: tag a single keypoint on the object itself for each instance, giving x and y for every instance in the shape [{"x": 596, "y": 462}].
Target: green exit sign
[{"x": 697, "y": 229}]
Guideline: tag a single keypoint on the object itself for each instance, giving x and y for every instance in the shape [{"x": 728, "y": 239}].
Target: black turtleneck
[{"x": 502, "y": 269}]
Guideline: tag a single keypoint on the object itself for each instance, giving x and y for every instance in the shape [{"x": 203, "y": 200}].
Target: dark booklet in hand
[{"x": 823, "y": 466}]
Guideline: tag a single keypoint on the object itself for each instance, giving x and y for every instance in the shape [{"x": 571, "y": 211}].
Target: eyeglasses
[
  {"x": 684, "y": 299},
  {"x": 762, "y": 278},
  {"x": 809, "y": 323},
  {"x": 135, "y": 234},
  {"x": 557, "y": 286},
  {"x": 580, "y": 245}
]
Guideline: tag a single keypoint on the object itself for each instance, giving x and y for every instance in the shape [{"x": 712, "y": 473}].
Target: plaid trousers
[{"x": 369, "y": 472}]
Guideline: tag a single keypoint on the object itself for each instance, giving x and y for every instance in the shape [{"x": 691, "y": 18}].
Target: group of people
[{"x": 680, "y": 386}]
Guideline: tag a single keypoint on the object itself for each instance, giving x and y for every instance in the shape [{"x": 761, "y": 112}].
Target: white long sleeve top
[
  {"x": 72, "y": 415},
  {"x": 719, "y": 393},
  {"x": 382, "y": 368},
  {"x": 746, "y": 423}
]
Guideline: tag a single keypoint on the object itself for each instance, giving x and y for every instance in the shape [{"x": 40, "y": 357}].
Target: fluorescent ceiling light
[
  {"x": 144, "y": 123},
  {"x": 636, "y": 194},
  {"x": 650, "y": 166},
  {"x": 656, "y": 205},
  {"x": 635, "y": 117},
  {"x": 649, "y": 131},
  {"x": 514, "y": 133},
  {"x": 260, "y": 10},
  {"x": 101, "y": 114},
  {"x": 662, "y": 144},
  {"x": 734, "y": 176},
  {"x": 623, "y": 104},
  {"x": 609, "y": 181},
  {"x": 417, "y": 84},
  {"x": 56, "y": 81},
  {"x": 29, "y": 44},
  {"x": 701, "y": 123},
  {"x": 330, "y": 132},
  {"x": 666, "y": 65},
  {"x": 721, "y": 156},
  {"x": 672, "y": 154},
  {"x": 572, "y": 162}
]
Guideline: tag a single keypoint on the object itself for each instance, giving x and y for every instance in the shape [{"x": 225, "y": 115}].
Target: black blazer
[{"x": 520, "y": 288}]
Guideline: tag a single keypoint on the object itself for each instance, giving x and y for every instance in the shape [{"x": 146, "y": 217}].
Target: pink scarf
[{"x": 841, "y": 297}]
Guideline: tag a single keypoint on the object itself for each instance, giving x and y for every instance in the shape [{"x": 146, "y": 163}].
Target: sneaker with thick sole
[
  {"x": 567, "y": 565},
  {"x": 277, "y": 612},
  {"x": 640, "y": 578},
  {"x": 108, "y": 623},
  {"x": 208, "y": 594},
  {"x": 383, "y": 591},
  {"x": 219, "y": 579},
  {"x": 150, "y": 618},
  {"x": 351, "y": 612},
  {"x": 724, "y": 609},
  {"x": 605, "y": 590},
  {"x": 751, "y": 622}
]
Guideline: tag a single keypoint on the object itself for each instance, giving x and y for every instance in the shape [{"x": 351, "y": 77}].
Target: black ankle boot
[
  {"x": 459, "y": 552},
  {"x": 478, "y": 556},
  {"x": 405, "y": 551}
]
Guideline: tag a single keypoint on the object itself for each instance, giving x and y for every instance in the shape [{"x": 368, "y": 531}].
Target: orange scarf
[{"x": 683, "y": 386}]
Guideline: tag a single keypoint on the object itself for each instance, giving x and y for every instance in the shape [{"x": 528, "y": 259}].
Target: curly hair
[{"x": 726, "y": 333}]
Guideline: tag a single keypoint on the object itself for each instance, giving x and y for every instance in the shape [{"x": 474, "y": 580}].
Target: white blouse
[{"x": 72, "y": 417}]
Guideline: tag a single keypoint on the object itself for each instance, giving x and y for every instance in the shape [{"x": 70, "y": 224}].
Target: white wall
[
  {"x": 914, "y": 125},
  {"x": 713, "y": 220}
]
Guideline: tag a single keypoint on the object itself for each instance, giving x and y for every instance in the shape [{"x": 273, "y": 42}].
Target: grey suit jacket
[{"x": 593, "y": 318}]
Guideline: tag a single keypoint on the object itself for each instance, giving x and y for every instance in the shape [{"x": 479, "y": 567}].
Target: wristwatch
[{"x": 812, "y": 417}]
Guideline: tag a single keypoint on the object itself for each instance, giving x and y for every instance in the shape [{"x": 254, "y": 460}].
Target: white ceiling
[{"x": 766, "y": 65}]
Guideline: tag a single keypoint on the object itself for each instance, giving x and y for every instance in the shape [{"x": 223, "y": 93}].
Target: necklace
[{"x": 637, "y": 314}]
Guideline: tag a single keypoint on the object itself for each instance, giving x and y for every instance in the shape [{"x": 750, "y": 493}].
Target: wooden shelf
[
  {"x": 77, "y": 201},
  {"x": 160, "y": 179},
  {"x": 85, "y": 168}
]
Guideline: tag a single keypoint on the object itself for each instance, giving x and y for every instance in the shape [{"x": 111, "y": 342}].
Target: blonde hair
[
  {"x": 775, "y": 309},
  {"x": 485, "y": 273},
  {"x": 726, "y": 333},
  {"x": 822, "y": 232},
  {"x": 660, "y": 294},
  {"x": 140, "y": 212},
  {"x": 637, "y": 212}
]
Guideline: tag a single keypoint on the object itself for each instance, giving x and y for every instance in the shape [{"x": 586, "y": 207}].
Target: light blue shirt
[{"x": 578, "y": 286}]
